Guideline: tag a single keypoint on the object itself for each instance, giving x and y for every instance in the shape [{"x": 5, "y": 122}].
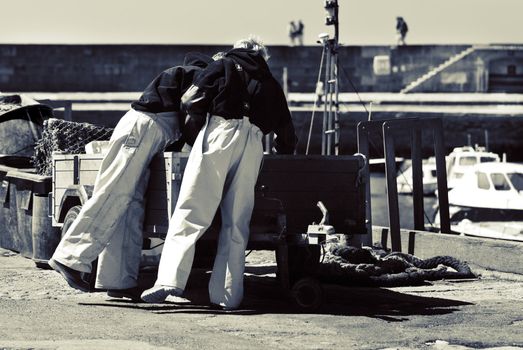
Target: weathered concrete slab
[
  {"x": 488, "y": 254},
  {"x": 39, "y": 311}
]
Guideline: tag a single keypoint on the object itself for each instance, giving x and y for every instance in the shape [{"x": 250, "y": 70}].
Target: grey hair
[{"x": 253, "y": 43}]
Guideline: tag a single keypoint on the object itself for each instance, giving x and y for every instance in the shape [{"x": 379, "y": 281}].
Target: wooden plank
[
  {"x": 392, "y": 187},
  {"x": 88, "y": 177},
  {"x": 332, "y": 200},
  {"x": 363, "y": 148},
  {"x": 63, "y": 178},
  {"x": 302, "y": 181},
  {"x": 443, "y": 196},
  {"x": 300, "y": 163},
  {"x": 417, "y": 180},
  {"x": 63, "y": 165},
  {"x": 82, "y": 156},
  {"x": 90, "y": 164}
]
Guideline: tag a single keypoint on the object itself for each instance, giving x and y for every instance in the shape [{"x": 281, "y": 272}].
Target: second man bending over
[{"x": 236, "y": 101}]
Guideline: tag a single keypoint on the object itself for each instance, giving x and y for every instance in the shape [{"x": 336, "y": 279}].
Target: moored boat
[
  {"x": 488, "y": 201},
  {"x": 457, "y": 163}
]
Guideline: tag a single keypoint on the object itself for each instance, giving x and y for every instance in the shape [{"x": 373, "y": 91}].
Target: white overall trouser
[
  {"x": 221, "y": 171},
  {"x": 111, "y": 221}
]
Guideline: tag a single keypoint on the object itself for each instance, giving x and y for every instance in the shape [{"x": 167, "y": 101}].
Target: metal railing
[{"x": 389, "y": 129}]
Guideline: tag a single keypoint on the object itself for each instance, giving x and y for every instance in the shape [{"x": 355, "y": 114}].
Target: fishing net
[{"x": 65, "y": 137}]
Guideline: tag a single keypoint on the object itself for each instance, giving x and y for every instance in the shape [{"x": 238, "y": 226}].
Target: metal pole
[
  {"x": 326, "y": 106},
  {"x": 314, "y": 106},
  {"x": 330, "y": 114},
  {"x": 336, "y": 29},
  {"x": 285, "y": 82},
  {"x": 337, "y": 106}
]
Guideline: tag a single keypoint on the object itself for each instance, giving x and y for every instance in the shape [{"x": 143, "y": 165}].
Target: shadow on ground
[{"x": 264, "y": 295}]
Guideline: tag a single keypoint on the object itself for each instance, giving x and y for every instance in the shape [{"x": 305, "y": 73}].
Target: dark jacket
[
  {"x": 164, "y": 92},
  {"x": 221, "y": 89}
]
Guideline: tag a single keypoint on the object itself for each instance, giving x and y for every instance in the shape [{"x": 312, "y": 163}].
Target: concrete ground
[{"x": 39, "y": 311}]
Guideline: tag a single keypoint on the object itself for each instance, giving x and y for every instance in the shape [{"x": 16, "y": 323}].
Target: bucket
[{"x": 45, "y": 236}]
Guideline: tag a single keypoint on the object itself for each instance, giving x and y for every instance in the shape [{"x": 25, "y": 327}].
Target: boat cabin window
[
  {"x": 467, "y": 161},
  {"x": 483, "y": 181},
  {"x": 486, "y": 159},
  {"x": 517, "y": 180},
  {"x": 500, "y": 182}
]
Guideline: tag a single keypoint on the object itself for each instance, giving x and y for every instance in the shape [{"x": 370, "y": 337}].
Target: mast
[{"x": 331, "y": 129}]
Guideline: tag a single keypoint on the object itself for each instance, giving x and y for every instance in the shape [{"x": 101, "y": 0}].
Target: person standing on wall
[
  {"x": 292, "y": 32},
  {"x": 237, "y": 100},
  {"x": 401, "y": 30},
  {"x": 299, "y": 32},
  {"x": 109, "y": 225}
]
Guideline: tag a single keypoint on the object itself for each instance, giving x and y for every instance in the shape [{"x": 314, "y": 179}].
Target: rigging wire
[
  {"x": 373, "y": 145},
  {"x": 314, "y": 105}
]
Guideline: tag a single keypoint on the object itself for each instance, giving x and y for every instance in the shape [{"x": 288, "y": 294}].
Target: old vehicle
[{"x": 288, "y": 192}]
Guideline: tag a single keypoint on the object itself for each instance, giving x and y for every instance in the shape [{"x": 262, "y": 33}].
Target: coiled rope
[{"x": 360, "y": 266}]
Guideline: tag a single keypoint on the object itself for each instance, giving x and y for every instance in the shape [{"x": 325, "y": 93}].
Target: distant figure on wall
[
  {"x": 299, "y": 32},
  {"x": 292, "y": 32},
  {"x": 401, "y": 30},
  {"x": 296, "y": 32}
]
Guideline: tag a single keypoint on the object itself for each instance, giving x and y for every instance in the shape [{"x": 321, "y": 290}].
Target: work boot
[
  {"x": 214, "y": 306},
  {"x": 129, "y": 293},
  {"x": 72, "y": 276},
  {"x": 158, "y": 294}
]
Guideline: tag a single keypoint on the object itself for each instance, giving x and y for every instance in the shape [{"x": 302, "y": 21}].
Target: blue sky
[{"x": 362, "y": 22}]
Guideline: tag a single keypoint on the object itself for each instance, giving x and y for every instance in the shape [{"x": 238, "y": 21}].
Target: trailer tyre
[
  {"x": 70, "y": 217},
  {"x": 307, "y": 294}
]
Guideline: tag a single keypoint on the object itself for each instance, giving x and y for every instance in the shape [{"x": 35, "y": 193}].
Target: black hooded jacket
[
  {"x": 164, "y": 92},
  {"x": 221, "y": 89}
]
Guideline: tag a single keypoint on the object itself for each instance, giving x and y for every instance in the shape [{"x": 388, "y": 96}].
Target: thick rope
[{"x": 355, "y": 266}]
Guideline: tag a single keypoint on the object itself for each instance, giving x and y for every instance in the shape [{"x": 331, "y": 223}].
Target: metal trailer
[{"x": 287, "y": 193}]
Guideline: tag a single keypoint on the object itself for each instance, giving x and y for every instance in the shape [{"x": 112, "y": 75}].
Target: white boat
[
  {"x": 429, "y": 175},
  {"x": 457, "y": 163},
  {"x": 487, "y": 201},
  {"x": 463, "y": 158},
  {"x": 507, "y": 230}
]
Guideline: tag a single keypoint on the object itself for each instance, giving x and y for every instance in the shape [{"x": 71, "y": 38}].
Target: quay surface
[{"x": 39, "y": 311}]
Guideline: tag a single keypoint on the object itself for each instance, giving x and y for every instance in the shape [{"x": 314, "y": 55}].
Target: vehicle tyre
[
  {"x": 307, "y": 294},
  {"x": 70, "y": 217},
  {"x": 303, "y": 261}
]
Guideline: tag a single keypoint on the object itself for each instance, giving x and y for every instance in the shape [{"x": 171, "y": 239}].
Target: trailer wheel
[
  {"x": 307, "y": 294},
  {"x": 70, "y": 217}
]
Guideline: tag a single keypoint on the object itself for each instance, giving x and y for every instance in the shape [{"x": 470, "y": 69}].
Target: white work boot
[{"x": 158, "y": 294}]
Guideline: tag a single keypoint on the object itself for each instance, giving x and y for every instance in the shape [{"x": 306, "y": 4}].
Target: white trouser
[
  {"x": 111, "y": 221},
  {"x": 222, "y": 170}
]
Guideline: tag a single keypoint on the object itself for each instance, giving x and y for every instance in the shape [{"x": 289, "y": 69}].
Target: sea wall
[
  {"x": 101, "y": 68},
  {"x": 129, "y": 68}
]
